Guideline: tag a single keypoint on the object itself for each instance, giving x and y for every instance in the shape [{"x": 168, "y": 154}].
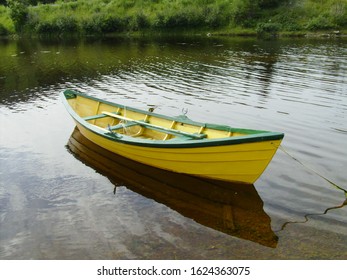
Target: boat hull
[
  {"x": 175, "y": 144},
  {"x": 242, "y": 163}
]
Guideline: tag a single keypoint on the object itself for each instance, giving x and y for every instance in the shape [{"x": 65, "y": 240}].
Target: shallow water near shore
[{"x": 61, "y": 197}]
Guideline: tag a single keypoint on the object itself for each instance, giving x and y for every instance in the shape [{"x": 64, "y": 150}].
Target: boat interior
[{"x": 120, "y": 120}]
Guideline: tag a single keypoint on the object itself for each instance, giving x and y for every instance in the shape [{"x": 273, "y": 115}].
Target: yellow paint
[{"x": 239, "y": 163}]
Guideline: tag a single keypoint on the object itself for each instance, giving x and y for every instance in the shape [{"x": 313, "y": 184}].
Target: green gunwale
[{"x": 250, "y": 137}]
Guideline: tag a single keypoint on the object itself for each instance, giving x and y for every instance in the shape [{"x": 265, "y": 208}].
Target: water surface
[{"x": 59, "y": 198}]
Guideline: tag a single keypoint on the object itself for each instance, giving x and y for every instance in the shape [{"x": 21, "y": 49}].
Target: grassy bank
[{"x": 221, "y": 16}]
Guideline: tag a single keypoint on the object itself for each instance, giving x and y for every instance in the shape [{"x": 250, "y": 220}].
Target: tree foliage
[{"x": 19, "y": 13}]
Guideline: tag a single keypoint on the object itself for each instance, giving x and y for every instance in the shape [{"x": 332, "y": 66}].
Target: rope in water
[
  {"x": 344, "y": 203},
  {"x": 326, "y": 179}
]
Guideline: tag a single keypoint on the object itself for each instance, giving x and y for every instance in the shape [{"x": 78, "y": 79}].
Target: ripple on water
[{"x": 69, "y": 209}]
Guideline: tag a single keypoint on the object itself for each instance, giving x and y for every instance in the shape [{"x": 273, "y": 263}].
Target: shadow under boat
[{"x": 236, "y": 210}]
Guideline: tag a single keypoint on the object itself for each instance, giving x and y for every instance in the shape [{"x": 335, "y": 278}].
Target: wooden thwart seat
[
  {"x": 157, "y": 127},
  {"x": 94, "y": 117}
]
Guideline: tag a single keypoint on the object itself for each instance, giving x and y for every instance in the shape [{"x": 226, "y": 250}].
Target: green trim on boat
[
  {"x": 70, "y": 94},
  {"x": 90, "y": 118}
]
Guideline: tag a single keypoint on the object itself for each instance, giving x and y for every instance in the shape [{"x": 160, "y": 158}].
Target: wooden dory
[{"x": 177, "y": 144}]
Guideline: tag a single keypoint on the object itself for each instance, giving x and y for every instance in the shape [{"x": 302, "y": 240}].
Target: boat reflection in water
[{"x": 236, "y": 210}]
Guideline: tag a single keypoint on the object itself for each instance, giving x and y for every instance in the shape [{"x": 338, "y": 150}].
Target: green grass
[{"x": 215, "y": 16}]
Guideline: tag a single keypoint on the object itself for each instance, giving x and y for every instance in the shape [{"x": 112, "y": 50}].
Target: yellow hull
[
  {"x": 238, "y": 163},
  {"x": 175, "y": 144}
]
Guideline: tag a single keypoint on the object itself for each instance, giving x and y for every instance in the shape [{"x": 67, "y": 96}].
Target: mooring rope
[
  {"x": 344, "y": 203},
  {"x": 304, "y": 165},
  {"x": 306, "y": 217}
]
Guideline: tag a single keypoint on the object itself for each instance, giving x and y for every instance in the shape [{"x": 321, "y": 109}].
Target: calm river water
[{"x": 62, "y": 197}]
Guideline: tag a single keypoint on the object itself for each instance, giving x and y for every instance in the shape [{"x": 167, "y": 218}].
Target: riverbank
[{"x": 219, "y": 17}]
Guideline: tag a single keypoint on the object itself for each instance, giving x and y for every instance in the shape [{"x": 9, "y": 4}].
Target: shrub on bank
[
  {"x": 112, "y": 23},
  {"x": 320, "y": 23},
  {"x": 268, "y": 29},
  {"x": 59, "y": 25},
  {"x": 6, "y": 24},
  {"x": 18, "y": 13}
]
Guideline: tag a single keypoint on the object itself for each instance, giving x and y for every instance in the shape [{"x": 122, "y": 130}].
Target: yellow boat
[
  {"x": 234, "y": 209},
  {"x": 176, "y": 144}
]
